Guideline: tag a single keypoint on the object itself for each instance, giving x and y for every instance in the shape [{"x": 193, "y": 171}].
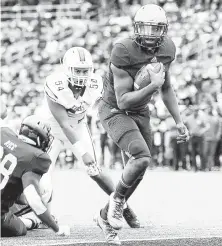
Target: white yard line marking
[{"x": 128, "y": 240}]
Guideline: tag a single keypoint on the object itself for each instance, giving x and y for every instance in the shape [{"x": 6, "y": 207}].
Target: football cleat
[
  {"x": 131, "y": 217},
  {"x": 115, "y": 212},
  {"x": 35, "y": 223},
  {"x": 42, "y": 225},
  {"x": 109, "y": 233}
]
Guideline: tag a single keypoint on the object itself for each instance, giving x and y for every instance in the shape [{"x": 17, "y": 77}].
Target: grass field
[{"x": 175, "y": 208}]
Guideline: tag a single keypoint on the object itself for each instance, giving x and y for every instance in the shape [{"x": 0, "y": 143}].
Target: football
[{"x": 142, "y": 78}]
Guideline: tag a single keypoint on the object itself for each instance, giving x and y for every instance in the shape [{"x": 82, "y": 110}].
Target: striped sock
[{"x": 121, "y": 189}]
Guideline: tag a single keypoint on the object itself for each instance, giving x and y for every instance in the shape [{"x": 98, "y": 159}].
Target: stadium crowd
[{"x": 31, "y": 47}]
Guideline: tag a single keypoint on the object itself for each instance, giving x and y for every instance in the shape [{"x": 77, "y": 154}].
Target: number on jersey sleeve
[
  {"x": 96, "y": 84},
  {"x": 7, "y": 166}
]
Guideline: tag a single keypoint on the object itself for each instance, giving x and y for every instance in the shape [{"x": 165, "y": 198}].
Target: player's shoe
[
  {"x": 115, "y": 212},
  {"x": 42, "y": 225},
  {"x": 109, "y": 233},
  {"x": 131, "y": 217},
  {"x": 35, "y": 223}
]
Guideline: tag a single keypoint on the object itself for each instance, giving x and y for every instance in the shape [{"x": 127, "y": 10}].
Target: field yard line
[{"x": 129, "y": 240}]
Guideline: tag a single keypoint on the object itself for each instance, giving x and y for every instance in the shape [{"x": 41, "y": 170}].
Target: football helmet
[
  {"x": 75, "y": 60},
  {"x": 35, "y": 132},
  {"x": 150, "y": 26}
]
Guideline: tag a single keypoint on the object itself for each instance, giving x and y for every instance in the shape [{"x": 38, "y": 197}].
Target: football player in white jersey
[{"x": 69, "y": 93}]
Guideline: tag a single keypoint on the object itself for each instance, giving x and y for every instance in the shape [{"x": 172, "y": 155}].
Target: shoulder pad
[
  {"x": 168, "y": 48},
  {"x": 41, "y": 163},
  {"x": 56, "y": 89},
  {"x": 120, "y": 56}
]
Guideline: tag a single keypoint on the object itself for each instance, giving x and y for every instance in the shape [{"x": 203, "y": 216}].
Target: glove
[
  {"x": 183, "y": 133},
  {"x": 64, "y": 230}
]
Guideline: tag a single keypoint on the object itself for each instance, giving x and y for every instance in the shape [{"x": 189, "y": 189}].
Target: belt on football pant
[
  {"x": 81, "y": 119},
  {"x": 127, "y": 112}
]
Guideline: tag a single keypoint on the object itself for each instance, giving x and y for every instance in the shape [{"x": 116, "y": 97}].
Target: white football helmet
[
  {"x": 150, "y": 26},
  {"x": 75, "y": 59}
]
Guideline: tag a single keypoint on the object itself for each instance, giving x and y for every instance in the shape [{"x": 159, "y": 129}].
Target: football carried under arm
[
  {"x": 151, "y": 73},
  {"x": 123, "y": 84}
]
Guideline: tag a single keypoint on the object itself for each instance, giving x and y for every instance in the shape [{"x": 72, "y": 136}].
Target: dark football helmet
[{"x": 35, "y": 132}]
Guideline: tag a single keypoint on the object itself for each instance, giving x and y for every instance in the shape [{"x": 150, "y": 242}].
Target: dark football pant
[
  {"x": 123, "y": 127},
  {"x": 19, "y": 210},
  {"x": 12, "y": 226}
]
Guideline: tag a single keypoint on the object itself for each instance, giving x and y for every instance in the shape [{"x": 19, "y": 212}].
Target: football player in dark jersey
[
  {"x": 123, "y": 111},
  {"x": 23, "y": 161}
]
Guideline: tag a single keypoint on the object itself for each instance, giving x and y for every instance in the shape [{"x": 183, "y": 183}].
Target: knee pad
[
  {"x": 93, "y": 169},
  {"x": 134, "y": 145},
  {"x": 138, "y": 149}
]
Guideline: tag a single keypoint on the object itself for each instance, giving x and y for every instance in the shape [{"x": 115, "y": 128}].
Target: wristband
[
  {"x": 79, "y": 149},
  {"x": 34, "y": 200}
]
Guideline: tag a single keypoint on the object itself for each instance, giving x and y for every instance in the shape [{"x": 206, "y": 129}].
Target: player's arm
[
  {"x": 123, "y": 84},
  {"x": 170, "y": 100},
  {"x": 30, "y": 181},
  {"x": 60, "y": 114}
]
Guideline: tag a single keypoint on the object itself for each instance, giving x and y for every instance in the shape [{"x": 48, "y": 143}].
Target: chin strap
[{"x": 26, "y": 140}]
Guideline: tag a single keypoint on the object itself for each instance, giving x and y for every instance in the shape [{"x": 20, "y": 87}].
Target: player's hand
[
  {"x": 87, "y": 159},
  {"x": 183, "y": 133},
  {"x": 157, "y": 78},
  {"x": 64, "y": 230}
]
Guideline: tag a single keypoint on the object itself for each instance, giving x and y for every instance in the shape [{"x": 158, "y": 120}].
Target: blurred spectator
[
  {"x": 197, "y": 127},
  {"x": 211, "y": 136},
  {"x": 34, "y": 39}
]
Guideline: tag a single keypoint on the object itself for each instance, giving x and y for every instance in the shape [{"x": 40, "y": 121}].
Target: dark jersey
[
  {"x": 17, "y": 158},
  {"x": 130, "y": 57}
]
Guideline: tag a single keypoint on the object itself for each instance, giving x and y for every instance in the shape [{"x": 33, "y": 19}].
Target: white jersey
[{"x": 57, "y": 89}]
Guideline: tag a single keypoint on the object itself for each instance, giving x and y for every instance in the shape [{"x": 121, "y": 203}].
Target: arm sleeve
[{"x": 120, "y": 56}]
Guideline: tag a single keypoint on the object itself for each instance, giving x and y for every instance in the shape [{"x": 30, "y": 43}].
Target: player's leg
[
  {"x": 94, "y": 171},
  {"x": 46, "y": 187},
  {"x": 24, "y": 211},
  {"x": 130, "y": 191},
  {"x": 145, "y": 129},
  {"x": 136, "y": 166},
  {"x": 125, "y": 132},
  {"x": 12, "y": 226}
]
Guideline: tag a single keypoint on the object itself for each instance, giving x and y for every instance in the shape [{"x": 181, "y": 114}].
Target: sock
[
  {"x": 29, "y": 223},
  {"x": 132, "y": 188},
  {"x": 121, "y": 189}
]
